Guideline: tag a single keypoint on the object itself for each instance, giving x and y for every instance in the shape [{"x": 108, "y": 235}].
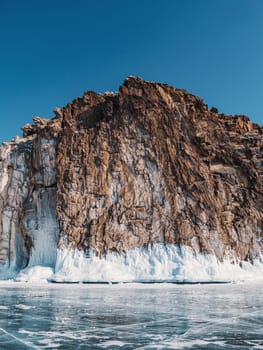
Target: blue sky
[{"x": 53, "y": 50}]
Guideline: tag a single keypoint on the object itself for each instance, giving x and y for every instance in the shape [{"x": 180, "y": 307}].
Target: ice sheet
[{"x": 131, "y": 316}]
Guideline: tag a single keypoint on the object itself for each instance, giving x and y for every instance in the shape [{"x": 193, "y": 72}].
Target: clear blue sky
[{"x": 54, "y": 50}]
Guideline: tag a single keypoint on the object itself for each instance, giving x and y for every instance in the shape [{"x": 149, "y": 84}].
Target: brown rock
[{"x": 148, "y": 164}]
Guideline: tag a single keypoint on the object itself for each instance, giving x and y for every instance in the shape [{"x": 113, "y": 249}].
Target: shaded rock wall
[
  {"x": 148, "y": 164},
  {"x": 28, "y": 225}
]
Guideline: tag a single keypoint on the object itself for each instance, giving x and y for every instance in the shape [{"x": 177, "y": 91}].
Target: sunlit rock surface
[{"x": 149, "y": 164}]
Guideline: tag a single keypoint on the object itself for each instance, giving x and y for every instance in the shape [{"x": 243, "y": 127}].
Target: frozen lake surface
[{"x": 131, "y": 316}]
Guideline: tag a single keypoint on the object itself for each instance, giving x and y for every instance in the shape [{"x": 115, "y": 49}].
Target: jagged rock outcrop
[{"x": 148, "y": 164}]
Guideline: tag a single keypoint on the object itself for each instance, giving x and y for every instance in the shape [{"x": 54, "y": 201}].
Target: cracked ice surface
[{"x": 131, "y": 316}]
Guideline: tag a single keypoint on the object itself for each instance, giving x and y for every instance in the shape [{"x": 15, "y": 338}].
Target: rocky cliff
[{"x": 114, "y": 171}]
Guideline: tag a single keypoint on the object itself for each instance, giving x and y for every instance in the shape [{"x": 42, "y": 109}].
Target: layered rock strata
[{"x": 114, "y": 171}]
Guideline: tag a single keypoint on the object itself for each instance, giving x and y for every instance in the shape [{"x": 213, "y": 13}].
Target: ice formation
[{"x": 161, "y": 263}]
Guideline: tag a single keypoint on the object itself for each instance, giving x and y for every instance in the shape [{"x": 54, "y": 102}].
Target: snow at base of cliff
[
  {"x": 35, "y": 274},
  {"x": 161, "y": 263}
]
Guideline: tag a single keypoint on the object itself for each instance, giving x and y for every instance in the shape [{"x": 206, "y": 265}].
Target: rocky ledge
[{"x": 114, "y": 171}]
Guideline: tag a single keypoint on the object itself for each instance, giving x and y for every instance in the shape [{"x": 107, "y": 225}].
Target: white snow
[
  {"x": 23, "y": 307},
  {"x": 35, "y": 274},
  {"x": 162, "y": 263},
  {"x": 113, "y": 343}
]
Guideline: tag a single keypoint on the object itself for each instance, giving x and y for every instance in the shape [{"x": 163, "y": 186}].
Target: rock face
[
  {"x": 28, "y": 187},
  {"x": 148, "y": 164}
]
